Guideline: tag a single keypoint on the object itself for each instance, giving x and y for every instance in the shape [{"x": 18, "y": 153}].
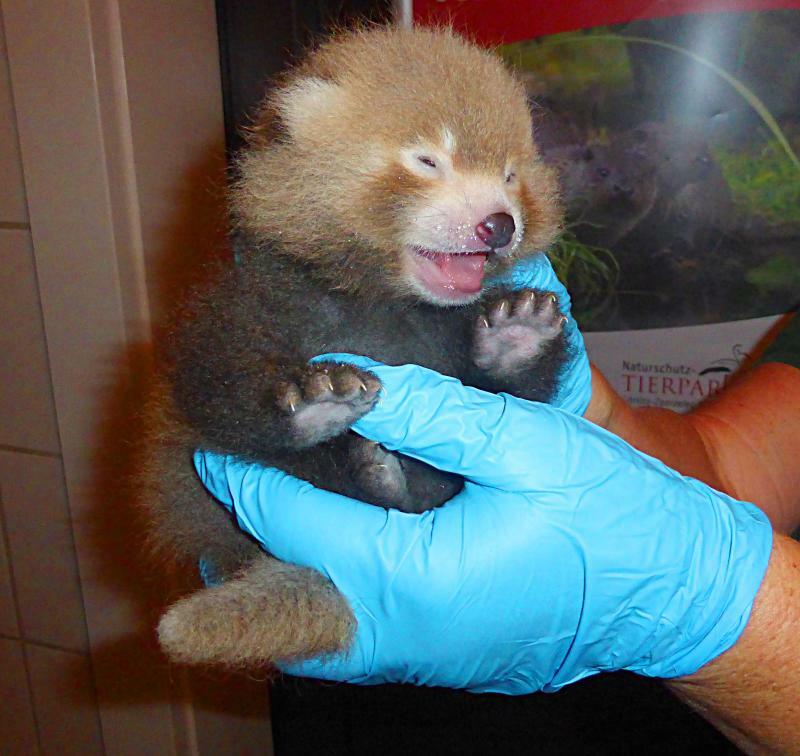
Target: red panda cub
[{"x": 387, "y": 179}]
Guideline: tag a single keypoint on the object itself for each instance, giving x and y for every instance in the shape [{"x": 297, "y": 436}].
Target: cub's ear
[{"x": 305, "y": 105}]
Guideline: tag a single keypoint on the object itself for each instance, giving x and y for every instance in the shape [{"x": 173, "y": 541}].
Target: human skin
[
  {"x": 751, "y": 693},
  {"x": 744, "y": 442}
]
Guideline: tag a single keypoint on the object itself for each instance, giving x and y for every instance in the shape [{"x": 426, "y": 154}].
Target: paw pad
[
  {"x": 515, "y": 328},
  {"x": 326, "y": 400}
]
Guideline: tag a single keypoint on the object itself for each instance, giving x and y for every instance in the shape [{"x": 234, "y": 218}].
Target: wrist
[
  {"x": 684, "y": 602},
  {"x": 752, "y": 691},
  {"x": 729, "y": 557}
]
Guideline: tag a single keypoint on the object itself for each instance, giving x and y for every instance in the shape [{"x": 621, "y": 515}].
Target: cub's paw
[
  {"x": 515, "y": 329},
  {"x": 379, "y": 474},
  {"x": 326, "y": 400}
]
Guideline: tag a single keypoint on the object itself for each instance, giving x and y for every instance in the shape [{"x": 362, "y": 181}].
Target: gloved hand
[
  {"x": 566, "y": 554},
  {"x": 575, "y": 382}
]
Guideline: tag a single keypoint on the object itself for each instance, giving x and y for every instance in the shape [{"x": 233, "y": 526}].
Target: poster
[{"x": 675, "y": 131}]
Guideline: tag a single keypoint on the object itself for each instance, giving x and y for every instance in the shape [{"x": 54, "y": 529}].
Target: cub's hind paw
[
  {"x": 393, "y": 480},
  {"x": 379, "y": 474},
  {"x": 515, "y": 329},
  {"x": 326, "y": 400}
]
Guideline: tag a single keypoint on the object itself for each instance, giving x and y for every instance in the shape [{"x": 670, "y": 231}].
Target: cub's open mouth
[{"x": 450, "y": 275}]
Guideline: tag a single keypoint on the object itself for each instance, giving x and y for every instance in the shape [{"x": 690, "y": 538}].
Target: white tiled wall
[
  {"x": 17, "y": 725},
  {"x": 107, "y": 159},
  {"x": 13, "y": 208},
  {"x": 27, "y": 418},
  {"x": 46, "y": 687},
  {"x": 9, "y": 626},
  {"x": 63, "y": 698},
  {"x": 42, "y": 553}
]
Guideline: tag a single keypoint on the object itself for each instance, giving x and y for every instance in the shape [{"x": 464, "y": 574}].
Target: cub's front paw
[
  {"x": 515, "y": 329},
  {"x": 326, "y": 400}
]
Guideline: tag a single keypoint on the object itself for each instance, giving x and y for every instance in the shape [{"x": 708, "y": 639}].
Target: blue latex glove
[
  {"x": 566, "y": 554},
  {"x": 575, "y": 381}
]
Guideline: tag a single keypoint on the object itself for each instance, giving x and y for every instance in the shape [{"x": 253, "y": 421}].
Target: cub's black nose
[{"x": 496, "y": 230}]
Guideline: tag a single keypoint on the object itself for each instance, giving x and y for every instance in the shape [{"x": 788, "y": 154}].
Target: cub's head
[{"x": 398, "y": 162}]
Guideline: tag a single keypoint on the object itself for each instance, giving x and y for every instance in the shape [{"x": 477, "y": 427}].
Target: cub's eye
[
  {"x": 510, "y": 176},
  {"x": 424, "y": 162}
]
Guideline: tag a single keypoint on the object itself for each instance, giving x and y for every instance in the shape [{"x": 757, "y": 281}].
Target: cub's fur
[{"x": 387, "y": 178}]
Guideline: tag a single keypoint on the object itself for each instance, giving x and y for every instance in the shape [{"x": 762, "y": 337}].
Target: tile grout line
[
  {"x": 9, "y": 559},
  {"x": 35, "y": 714},
  {"x": 31, "y": 452},
  {"x": 20, "y": 628},
  {"x": 45, "y": 644}
]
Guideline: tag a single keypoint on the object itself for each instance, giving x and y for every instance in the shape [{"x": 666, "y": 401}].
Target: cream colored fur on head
[{"x": 324, "y": 176}]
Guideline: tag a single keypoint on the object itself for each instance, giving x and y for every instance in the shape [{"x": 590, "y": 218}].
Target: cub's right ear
[{"x": 305, "y": 104}]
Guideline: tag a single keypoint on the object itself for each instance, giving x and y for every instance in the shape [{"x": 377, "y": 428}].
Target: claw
[
  {"x": 291, "y": 406},
  {"x": 483, "y": 321},
  {"x": 330, "y": 385},
  {"x": 526, "y": 303},
  {"x": 362, "y": 386},
  {"x": 564, "y": 320},
  {"x": 553, "y": 298}
]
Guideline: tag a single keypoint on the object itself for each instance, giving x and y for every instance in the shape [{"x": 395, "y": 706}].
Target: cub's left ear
[{"x": 305, "y": 105}]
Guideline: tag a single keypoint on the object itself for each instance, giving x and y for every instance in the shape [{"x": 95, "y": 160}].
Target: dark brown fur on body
[
  {"x": 239, "y": 353},
  {"x": 326, "y": 210}
]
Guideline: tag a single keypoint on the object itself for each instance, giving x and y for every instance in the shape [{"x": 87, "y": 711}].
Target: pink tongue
[{"x": 464, "y": 272}]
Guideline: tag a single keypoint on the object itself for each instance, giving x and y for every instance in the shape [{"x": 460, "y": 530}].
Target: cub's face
[
  {"x": 404, "y": 164},
  {"x": 453, "y": 219}
]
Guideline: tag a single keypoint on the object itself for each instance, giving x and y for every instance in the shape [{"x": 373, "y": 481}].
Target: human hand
[
  {"x": 567, "y": 553},
  {"x": 575, "y": 384}
]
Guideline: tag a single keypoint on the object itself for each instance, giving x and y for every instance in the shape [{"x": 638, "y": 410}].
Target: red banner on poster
[{"x": 494, "y": 22}]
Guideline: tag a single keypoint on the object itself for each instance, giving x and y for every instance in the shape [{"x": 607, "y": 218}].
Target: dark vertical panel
[{"x": 258, "y": 38}]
